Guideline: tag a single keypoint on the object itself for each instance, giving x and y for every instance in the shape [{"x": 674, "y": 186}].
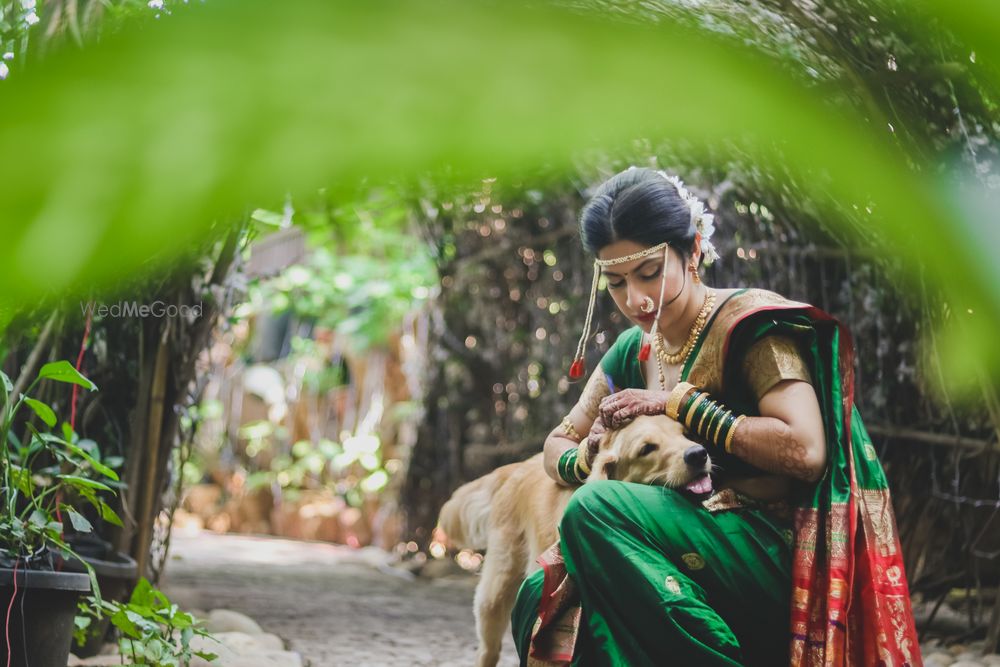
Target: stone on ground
[{"x": 226, "y": 620}]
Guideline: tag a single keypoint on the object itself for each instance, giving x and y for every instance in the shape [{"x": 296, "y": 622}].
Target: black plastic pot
[
  {"x": 41, "y": 621},
  {"x": 117, "y": 574}
]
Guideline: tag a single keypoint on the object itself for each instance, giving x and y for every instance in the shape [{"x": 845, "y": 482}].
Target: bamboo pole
[
  {"x": 136, "y": 455},
  {"x": 154, "y": 430},
  {"x": 24, "y": 379}
]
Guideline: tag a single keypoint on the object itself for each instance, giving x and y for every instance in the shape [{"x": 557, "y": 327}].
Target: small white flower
[
  {"x": 707, "y": 227},
  {"x": 28, "y": 4},
  {"x": 697, "y": 211},
  {"x": 9, "y": 55},
  {"x": 4, "y": 71},
  {"x": 709, "y": 251},
  {"x": 31, "y": 19},
  {"x": 155, "y": 4},
  {"x": 701, "y": 220}
]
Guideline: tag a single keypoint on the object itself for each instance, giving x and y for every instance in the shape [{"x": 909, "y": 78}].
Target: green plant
[
  {"x": 155, "y": 632},
  {"x": 40, "y": 472}
]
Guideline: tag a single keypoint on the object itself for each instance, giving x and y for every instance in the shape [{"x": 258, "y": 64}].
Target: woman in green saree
[{"x": 792, "y": 557}]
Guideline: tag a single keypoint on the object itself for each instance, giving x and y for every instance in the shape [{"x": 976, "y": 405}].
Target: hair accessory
[
  {"x": 624, "y": 259},
  {"x": 703, "y": 222},
  {"x": 578, "y": 367}
]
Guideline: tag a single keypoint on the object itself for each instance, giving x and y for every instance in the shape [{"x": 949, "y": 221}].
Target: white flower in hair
[{"x": 703, "y": 222}]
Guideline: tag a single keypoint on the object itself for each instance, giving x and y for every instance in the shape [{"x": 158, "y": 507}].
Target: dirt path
[{"x": 336, "y": 606}]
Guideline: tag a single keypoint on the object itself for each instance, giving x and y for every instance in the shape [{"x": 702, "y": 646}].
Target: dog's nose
[{"x": 695, "y": 456}]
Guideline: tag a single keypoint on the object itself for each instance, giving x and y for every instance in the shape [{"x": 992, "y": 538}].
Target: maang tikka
[{"x": 577, "y": 369}]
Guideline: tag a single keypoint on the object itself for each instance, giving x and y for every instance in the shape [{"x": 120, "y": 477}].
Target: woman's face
[{"x": 630, "y": 283}]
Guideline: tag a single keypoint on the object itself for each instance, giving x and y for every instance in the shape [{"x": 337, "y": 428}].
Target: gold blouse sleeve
[{"x": 771, "y": 360}]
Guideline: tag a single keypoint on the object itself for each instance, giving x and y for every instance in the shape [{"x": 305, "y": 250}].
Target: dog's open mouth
[{"x": 700, "y": 484}]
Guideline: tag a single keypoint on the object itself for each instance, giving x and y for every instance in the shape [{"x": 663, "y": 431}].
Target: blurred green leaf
[
  {"x": 128, "y": 149},
  {"x": 63, "y": 371},
  {"x": 42, "y": 410},
  {"x": 75, "y": 481},
  {"x": 109, "y": 514},
  {"x": 80, "y": 523}
]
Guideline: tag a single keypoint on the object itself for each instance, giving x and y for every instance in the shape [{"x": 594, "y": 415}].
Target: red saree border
[
  {"x": 554, "y": 634},
  {"x": 854, "y": 609}
]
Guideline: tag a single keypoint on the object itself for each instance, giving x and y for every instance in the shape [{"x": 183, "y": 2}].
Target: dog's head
[{"x": 653, "y": 450}]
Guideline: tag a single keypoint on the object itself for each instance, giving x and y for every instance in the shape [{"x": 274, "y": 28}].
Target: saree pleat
[{"x": 660, "y": 576}]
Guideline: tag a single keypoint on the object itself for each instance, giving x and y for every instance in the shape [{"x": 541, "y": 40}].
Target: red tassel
[
  {"x": 576, "y": 370},
  {"x": 644, "y": 352}
]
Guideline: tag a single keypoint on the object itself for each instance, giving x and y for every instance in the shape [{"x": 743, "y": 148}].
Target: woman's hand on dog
[
  {"x": 597, "y": 431},
  {"x": 622, "y": 407}
]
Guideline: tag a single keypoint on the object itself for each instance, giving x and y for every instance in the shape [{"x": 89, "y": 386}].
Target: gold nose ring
[{"x": 647, "y": 305}]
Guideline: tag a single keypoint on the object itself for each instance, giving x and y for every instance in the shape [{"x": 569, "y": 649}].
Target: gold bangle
[
  {"x": 570, "y": 430},
  {"x": 677, "y": 394},
  {"x": 581, "y": 458},
  {"x": 732, "y": 430},
  {"x": 691, "y": 410}
]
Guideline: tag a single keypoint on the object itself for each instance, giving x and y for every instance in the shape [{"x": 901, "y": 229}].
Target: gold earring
[{"x": 694, "y": 274}]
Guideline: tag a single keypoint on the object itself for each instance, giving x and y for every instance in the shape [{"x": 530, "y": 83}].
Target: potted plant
[
  {"x": 117, "y": 574},
  {"x": 39, "y": 472},
  {"x": 154, "y": 630}
]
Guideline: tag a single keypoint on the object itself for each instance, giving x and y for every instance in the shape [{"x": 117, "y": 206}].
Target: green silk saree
[{"x": 647, "y": 576}]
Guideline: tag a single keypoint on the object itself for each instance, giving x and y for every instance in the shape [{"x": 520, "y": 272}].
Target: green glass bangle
[
  {"x": 706, "y": 418},
  {"x": 682, "y": 413},
  {"x": 567, "y": 462},
  {"x": 711, "y": 421},
  {"x": 718, "y": 419},
  {"x": 724, "y": 428},
  {"x": 561, "y": 466},
  {"x": 698, "y": 412}
]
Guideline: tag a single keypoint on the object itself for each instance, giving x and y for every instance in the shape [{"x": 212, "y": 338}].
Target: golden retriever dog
[{"x": 513, "y": 512}]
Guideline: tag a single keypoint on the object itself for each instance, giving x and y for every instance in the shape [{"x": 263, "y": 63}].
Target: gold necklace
[
  {"x": 681, "y": 355},
  {"x": 659, "y": 362}
]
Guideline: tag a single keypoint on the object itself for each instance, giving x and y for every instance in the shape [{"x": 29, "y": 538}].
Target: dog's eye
[{"x": 648, "y": 449}]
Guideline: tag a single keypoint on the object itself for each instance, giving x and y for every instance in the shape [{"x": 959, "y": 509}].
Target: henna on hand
[
  {"x": 593, "y": 392},
  {"x": 622, "y": 407},
  {"x": 597, "y": 431},
  {"x": 770, "y": 444}
]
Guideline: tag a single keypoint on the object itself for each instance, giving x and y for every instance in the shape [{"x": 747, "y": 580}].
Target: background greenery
[{"x": 437, "y": 156}]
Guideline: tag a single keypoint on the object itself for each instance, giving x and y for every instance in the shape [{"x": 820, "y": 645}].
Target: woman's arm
[
  {"x": 581, "y": 418},
  {"x": 787, "y": 438}
]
